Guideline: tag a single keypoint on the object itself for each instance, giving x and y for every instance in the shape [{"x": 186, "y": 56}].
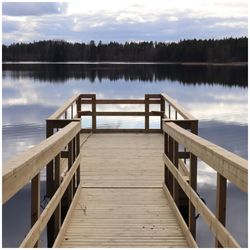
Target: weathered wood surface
[
  {"x": 229, "y": 165},
  {"x": 215, "y": 226},
  {"x": 122, "y": 203},
  {"x": 21, "y": 169}
]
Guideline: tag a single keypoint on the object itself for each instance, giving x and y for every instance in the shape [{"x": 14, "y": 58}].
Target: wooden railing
[
  {"x": 61, "y": 153},
  {"x": 26, "y": 167},
  {"x": 90, "y": 99},
  {"x": 227, "y": 165}
]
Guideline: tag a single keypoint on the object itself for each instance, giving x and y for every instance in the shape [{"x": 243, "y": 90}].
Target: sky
[{"x": 130, "y": 20}]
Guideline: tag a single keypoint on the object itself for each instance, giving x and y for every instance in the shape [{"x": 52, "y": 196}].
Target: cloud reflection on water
[{"x": 29, "y": 97}]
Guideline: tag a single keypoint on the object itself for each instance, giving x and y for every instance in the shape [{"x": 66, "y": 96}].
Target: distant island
[{"x": 228, "y": 50}]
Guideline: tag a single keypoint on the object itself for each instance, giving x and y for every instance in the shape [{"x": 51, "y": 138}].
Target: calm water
[{"x": 216, "y": 95}]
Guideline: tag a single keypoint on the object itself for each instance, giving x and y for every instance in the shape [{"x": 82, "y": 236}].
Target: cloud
[
  {"x": 33, "y": 9},
  {"x": 133, "y": 23}
]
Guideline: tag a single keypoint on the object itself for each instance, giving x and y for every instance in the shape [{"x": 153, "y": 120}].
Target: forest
[{"x": 208, "y": 50}]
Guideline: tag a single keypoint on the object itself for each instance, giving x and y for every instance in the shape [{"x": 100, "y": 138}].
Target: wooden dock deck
[
  {"x": 121, "y": 202},
  {"x": 123, "y": 187}
]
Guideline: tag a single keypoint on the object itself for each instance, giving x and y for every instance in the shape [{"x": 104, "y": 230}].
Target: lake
[{"x": 216, "y": 95}]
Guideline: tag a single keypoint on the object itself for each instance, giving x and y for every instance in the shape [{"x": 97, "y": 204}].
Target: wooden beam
[
  {"x": 67, "y": 218},
  {"x": 21, "y": 169},
  {"x": 146, "y": 113},
  {"x": 177, "y": 107},
  {"x": 64, "y": 107},
  {"x": 94, "y": 112},
  {"x": 182, "y": 223},
  {"x": 35, "y": 201},
  {"x": 121, "y": 130},
  {"x": 35, "y": 232},
  {"x": 221, "y": 202},
  {"x": 162, "y": 111},
  {"x": 120, "y": 113},
  {"x": 231, "y": 166},
  {"x": 183, "y": 155},
  {"x": 120, "y": 101},
  {"x": 57, "y": 214},
  {"x": 222, "y": 234}
]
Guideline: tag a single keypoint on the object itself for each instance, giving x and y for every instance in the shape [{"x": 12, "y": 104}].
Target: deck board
[{"x": 122, "y": 203}]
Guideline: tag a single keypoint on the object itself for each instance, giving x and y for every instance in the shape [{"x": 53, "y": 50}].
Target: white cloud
[{"x": 128, "y": 20}]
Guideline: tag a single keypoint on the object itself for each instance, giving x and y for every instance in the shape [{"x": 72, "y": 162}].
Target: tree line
[{"x": 208, "y": 50}]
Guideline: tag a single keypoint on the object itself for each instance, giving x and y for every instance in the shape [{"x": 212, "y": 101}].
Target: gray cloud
[
  {"x": 33, "y": 9},
  {"x": 106, "y": 27}
]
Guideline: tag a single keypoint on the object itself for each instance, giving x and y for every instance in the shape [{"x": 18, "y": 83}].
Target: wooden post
[
  {"x": 78, "y": 106},
  {"x": 166, "y": 172},
  {"x": 57, "y": 213},
  {"x": 175, "y": 182},
  {"x": 193, "y": 183},
  {"x": 176, "y": 115},
  {"x": 50, "y": 186},
  {"x": 35, "y": 201},
  {"x": 70, "y": 162},
  {"x": 170, "y": 156},
  {"x": 72, "y": 113},
  {"x": 162, "y": 110},
  {"x": 147, "y": 111},
  {"x": 169, "y": 111},
  {"x": 77, "y": 153},
  {"x": 221, "y": 199},
  {"x": 93, "y": 113}
]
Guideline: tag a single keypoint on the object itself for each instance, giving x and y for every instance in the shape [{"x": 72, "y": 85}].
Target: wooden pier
[{"x": 123, "y": 187}]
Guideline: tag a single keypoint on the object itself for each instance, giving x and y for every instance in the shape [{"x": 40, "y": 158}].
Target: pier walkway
[{"x": 112, "y": 187}]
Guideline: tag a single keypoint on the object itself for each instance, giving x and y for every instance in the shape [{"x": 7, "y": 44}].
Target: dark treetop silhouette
[{"x": 224, "y": 50}]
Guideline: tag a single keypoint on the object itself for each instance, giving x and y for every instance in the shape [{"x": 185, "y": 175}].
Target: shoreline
[{"x": 138, "y": 63}]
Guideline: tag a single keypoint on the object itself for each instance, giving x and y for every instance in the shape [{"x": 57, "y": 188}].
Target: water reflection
[
  {"x": 186, "y": 74},
  {"x": 217, "y": 96}
]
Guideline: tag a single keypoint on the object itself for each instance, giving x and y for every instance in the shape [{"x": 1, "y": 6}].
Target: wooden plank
[
  {"x": 123, "y": 218},
  {"x": 120, "y": 130},
  {"x": 87, "y": 96},
  {"x": 221, "y": 233},
  {"x": 40, "y": 224},
  {"x": 182, "y": 223},
  {"x": 177, "y": 107},
  {"x": 66, "y": 221},
  {"x": 221, "y": 201},
  {"x": 35, "y": 201},
  {"x": 120, "y": 101},
  {"x": 21, "y": 169},
  {"x": 120, "y": 113},
  {"x": 55, "y": 123},
  {"x": 64, "y": 107},
  {"x": 183, "y": 168},
  {"x": 230, "y": 165}
]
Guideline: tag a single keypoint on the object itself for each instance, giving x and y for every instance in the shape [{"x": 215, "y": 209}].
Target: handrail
[
  {"x": 231, "y": 166},
  {"x": 214, "y": 224},
  {"x": 226, "y": 164},
  {"x": 177, "y": 107},
  {"x": 35, "y": 232},
  {"x": 21, "y": 169},
  {"x": 64, "y": 107}
]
